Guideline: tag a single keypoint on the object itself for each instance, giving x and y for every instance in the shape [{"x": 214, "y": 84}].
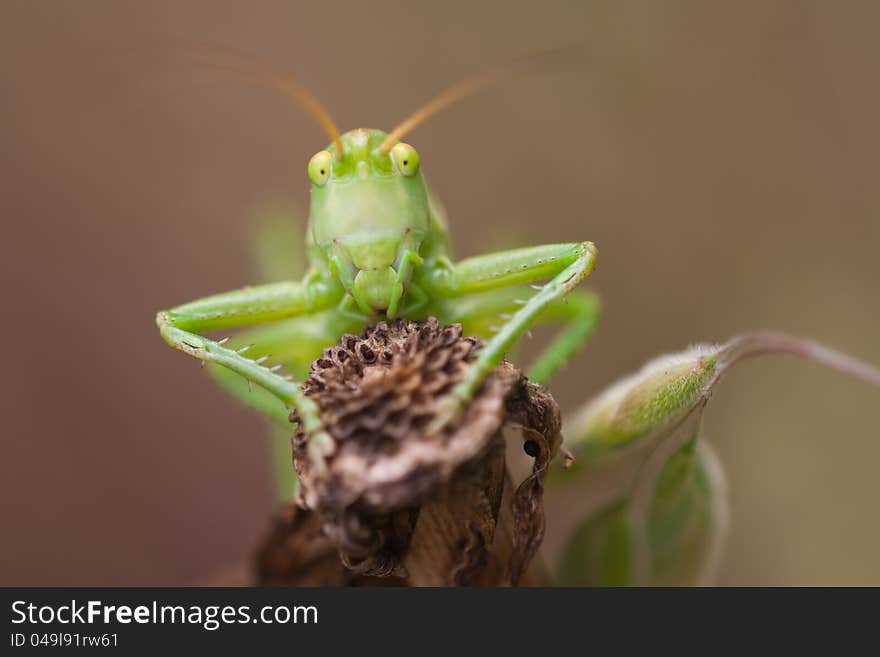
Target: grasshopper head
[
  {"x": 369, "y": 204},
  {"x": 368, "y": 207}
]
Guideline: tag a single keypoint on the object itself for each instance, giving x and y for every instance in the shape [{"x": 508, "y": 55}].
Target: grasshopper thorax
[{"x": 369, "y": 207}]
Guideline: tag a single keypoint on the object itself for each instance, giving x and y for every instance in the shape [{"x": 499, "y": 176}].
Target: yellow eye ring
[
  {"x": 406, "y": 159},
  {"x": 319, "y": 167}
]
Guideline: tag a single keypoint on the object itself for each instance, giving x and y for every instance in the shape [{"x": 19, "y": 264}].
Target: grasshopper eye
[
  {"x": 406, "y": 159},
  {"x": 319, "y": 167}
]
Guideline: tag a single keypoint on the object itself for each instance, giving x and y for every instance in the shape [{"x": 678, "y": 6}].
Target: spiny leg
[
  {"x": 482, "y": 314},
  {"x": 247, "y": 307},
  {"x": 581, "y": 310},
  {"x": 580, "y": 259},
  {"x": 565, "y": 264},
  {"x": 294, "y": 343}
]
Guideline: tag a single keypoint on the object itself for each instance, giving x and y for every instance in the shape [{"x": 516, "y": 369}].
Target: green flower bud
[
  {"x": 661, "y": 512},
  {"x": 661, "y": 394}
]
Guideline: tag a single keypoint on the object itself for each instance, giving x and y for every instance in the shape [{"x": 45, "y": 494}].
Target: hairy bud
[{"x": 661, "y": 504}]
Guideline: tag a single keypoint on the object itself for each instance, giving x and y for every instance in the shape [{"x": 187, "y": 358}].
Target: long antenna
[
  {"x": 470, "y": 86},
  {"x": 265, "y": 74}
]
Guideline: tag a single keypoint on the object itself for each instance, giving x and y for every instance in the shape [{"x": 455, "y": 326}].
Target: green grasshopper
[{"x": 377, "y": 247}]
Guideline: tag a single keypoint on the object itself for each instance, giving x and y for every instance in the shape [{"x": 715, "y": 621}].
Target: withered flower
[{"x": 397, "y": 498}]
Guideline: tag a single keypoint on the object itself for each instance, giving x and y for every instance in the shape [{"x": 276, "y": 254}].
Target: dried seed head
[{"x": 378, "y": 395}]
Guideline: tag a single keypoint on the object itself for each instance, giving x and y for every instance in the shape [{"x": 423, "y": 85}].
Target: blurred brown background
[{"x": 723, "y": 156}]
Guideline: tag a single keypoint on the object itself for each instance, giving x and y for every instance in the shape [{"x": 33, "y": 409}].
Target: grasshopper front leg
[
  {"x": 179, "y": 327},
  {"x": 566, "y": 265},
  {"x": 295, "y": 343},
  {"x": 579, "y": 311}
]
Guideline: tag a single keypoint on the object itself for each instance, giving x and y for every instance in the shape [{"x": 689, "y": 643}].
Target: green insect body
[{"x": 377, "y": 247}]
